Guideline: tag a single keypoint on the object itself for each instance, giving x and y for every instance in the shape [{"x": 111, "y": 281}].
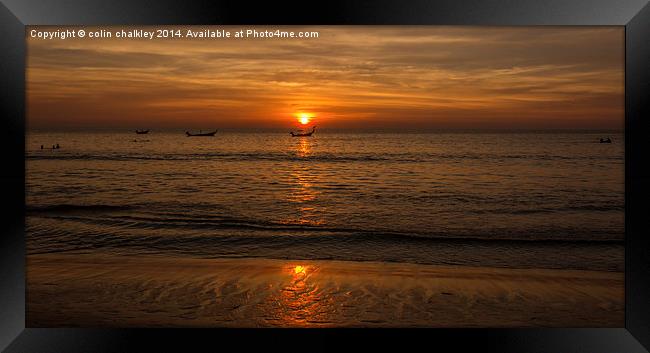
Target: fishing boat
[
  {"x": 301, "y": 133},
  {"x": 141, "y": 132},
  {"x": 201, "y": 133}
]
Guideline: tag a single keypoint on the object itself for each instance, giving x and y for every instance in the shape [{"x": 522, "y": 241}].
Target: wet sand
[{"x": 120, "y": 291}]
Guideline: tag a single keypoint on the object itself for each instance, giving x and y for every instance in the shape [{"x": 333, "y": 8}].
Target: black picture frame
[{"x": 634, "y": 15}]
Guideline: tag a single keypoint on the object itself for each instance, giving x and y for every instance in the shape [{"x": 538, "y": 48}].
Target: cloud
[{"x": 424, "y": 76}]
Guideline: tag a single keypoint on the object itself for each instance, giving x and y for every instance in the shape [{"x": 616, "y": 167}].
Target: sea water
[{"x": 493, "y": 199}]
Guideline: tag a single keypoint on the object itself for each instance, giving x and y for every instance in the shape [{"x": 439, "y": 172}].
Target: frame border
[{"x": 633, "y": 14}]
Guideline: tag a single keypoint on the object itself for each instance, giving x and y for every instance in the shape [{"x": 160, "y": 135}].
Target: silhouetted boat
[
  {"x": 141, "y": 132},
  {"x": 299, "y": 134},
  {"x": 607, "y": 140},
  {"x": 201, "y": 133}
]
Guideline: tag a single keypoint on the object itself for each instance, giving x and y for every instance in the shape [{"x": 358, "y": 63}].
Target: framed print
[{"x": 388, "y": 174}]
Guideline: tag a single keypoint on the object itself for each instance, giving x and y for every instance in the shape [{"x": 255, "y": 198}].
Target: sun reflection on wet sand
[
  {"x": 300, "y": 302},
  {"x": 299, "y": 270}
]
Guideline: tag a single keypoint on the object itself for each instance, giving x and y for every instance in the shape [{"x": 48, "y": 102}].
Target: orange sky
[{"x": 422, "y": 77}]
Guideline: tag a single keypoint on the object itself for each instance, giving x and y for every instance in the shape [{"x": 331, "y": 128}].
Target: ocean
[{"x": 491, "y": 199}]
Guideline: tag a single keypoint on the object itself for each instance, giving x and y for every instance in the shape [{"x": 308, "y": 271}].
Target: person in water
[
  {"x": 41, "y": 146},
  {"x": 57, "y": 146}
]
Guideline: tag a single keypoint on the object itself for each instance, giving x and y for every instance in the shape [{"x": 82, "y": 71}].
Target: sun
[{"x": 304, "y": 118}]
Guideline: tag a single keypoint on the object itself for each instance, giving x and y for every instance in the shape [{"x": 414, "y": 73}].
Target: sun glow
[{"x": 304, "y": 118}]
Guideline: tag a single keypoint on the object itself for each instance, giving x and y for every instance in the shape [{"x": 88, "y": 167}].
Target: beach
[
  {"x": 334, "y": 230},
  {"x": 77, "y": 290}
]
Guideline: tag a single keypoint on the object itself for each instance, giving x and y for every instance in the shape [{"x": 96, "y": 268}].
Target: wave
[
  {"x": 211, "y": 156},
  {"x": 65, "y": 208},
  {"x": 597, "y": 208},
  {"x": 324, "y": 157},
  {"x": 105, "y": 218}
]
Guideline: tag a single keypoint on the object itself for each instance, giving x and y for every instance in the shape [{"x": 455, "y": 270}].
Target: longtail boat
[
  {"x": 201, "y": 133},
  {"x": 299, "y": 133}
]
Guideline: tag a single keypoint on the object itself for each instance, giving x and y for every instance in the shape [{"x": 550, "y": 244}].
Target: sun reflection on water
[
  {"x": 303, "y": 149},
  {"x": 304, "y": 192}
]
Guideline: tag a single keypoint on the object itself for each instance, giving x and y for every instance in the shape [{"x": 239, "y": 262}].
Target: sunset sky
[{"x": 350, "y": 77}]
